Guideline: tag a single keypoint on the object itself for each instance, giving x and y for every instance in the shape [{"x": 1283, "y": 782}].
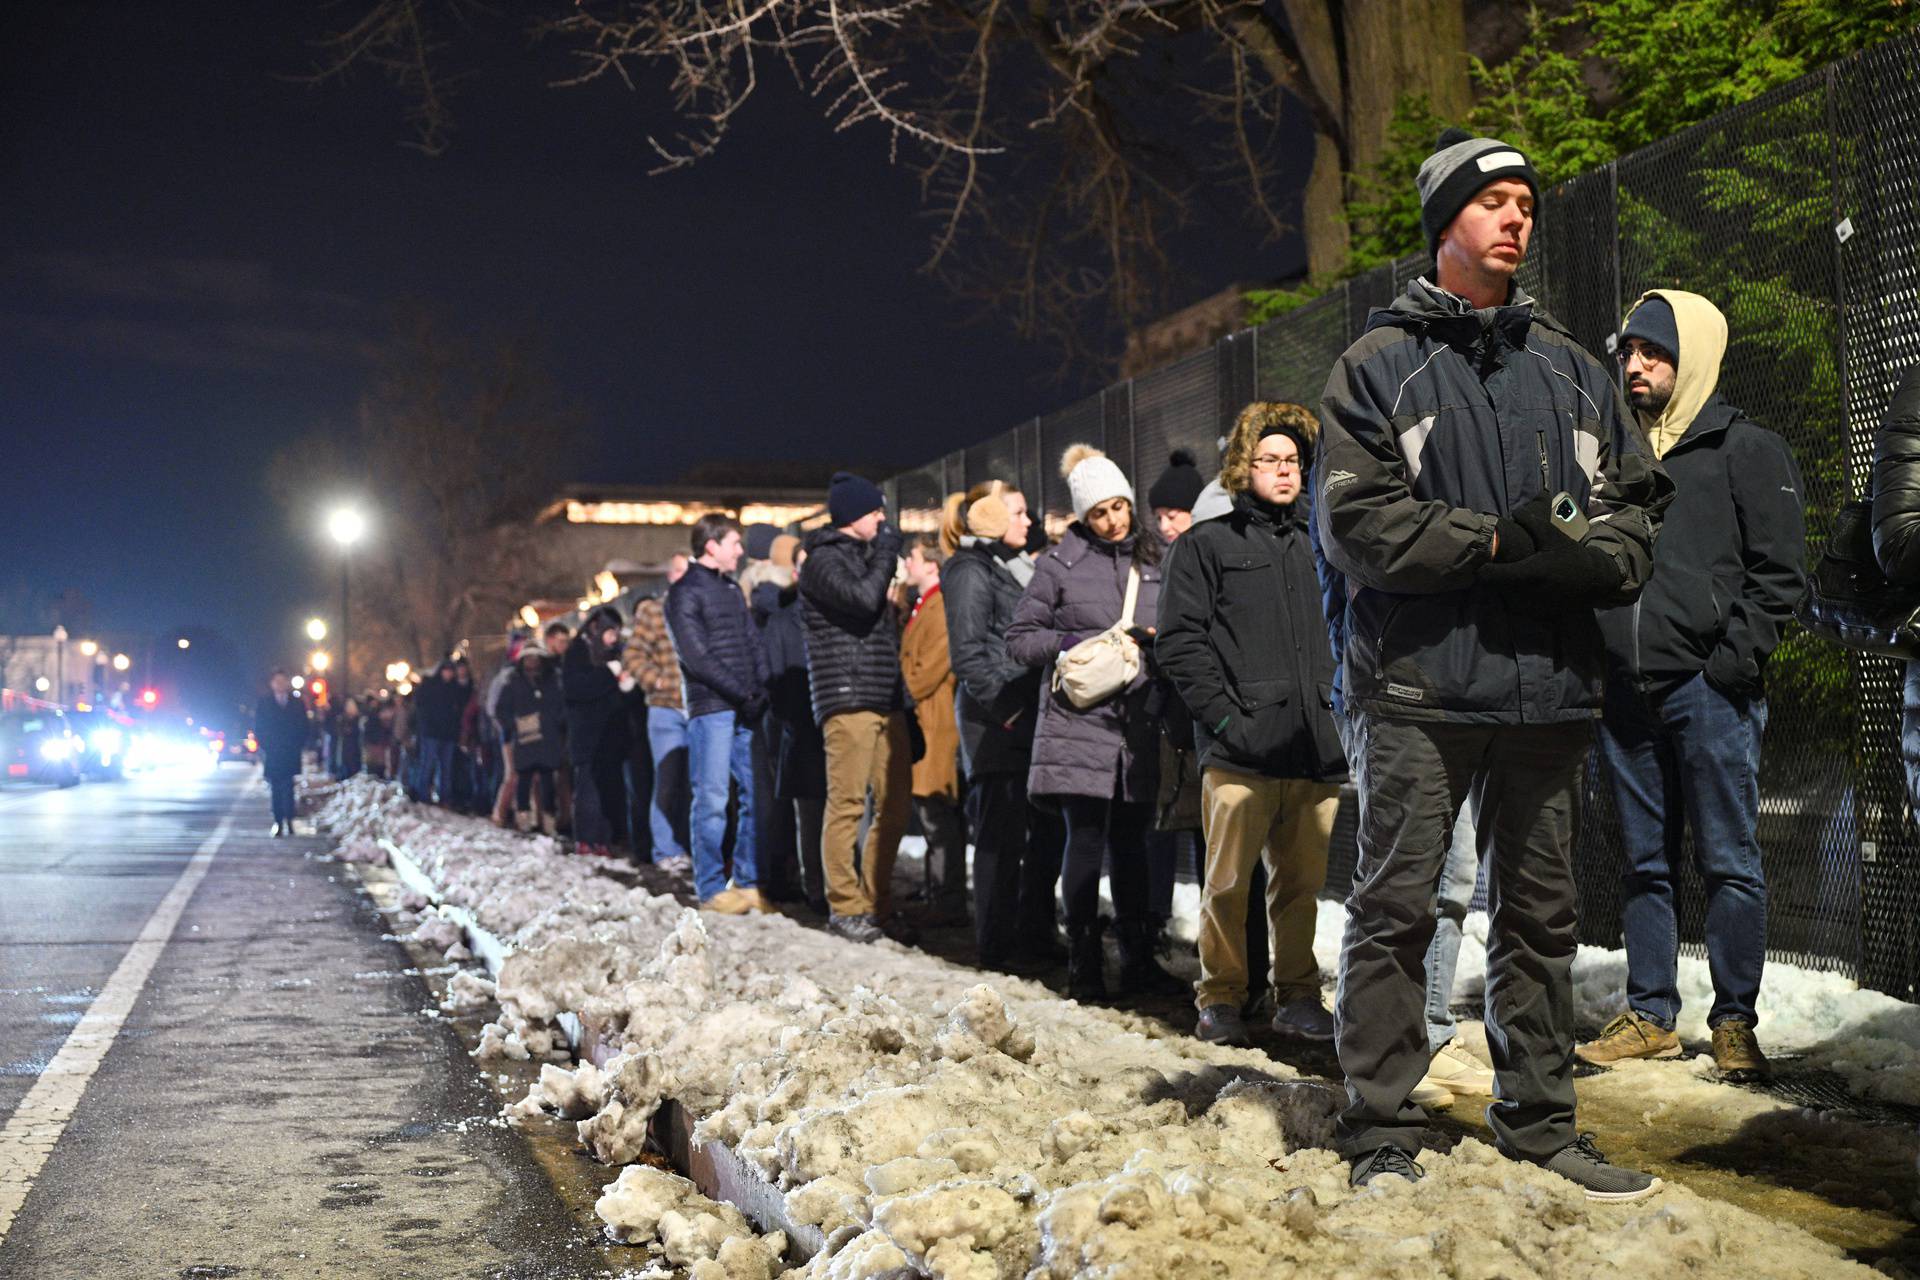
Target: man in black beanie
[
  {"x": 853, "y": 664},
  {"x": 1481, "y": 490}
]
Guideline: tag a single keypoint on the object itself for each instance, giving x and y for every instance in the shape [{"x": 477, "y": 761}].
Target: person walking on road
[
  {"x": 1686, "y": 701},
  {"x": 1100, "y": 764},
  {"x": 1242, "y": 638},
  {"x": 853, "y": 666},
  {"x": 724, "y": 676},
  {"x": 281, "y": 728},
  {"x": 1483, "y": 489}
]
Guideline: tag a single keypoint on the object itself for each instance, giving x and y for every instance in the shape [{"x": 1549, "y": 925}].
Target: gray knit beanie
[{"x": 1460, "y": 166}]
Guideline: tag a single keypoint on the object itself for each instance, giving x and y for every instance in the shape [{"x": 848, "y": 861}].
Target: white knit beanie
[{"x": 1092, "y": 478}]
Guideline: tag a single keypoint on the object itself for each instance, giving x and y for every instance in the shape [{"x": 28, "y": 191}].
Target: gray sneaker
[
  {"x": 855, "y": 928},
  {"x": 1581, "y": 1162},
  {"x": 1304, "y": 1019},
  {"x": 1384, "y": 1160},
  {"x": 1221, "y": 1024}
]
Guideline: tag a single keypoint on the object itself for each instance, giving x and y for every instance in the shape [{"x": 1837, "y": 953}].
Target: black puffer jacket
[
  {"x": 282, "y": 732},
  {"x": 439, "y": 703},
  {"x": 1243, "y": 639},
  {"x": 1110, "y": 750},
  {"x": 592, "y": 691},
  {"x": 853, "y": 642},
  {"x": 998, "y": 702},
  {"x": 722, "y": 665},
  {"x": 1439, "y": 420},
  {"x": 1896, "y": 535},
  {"x": 1730, "y": 565}
]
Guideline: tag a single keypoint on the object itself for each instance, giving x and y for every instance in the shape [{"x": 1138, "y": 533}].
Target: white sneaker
[
  {"x": 1458, "y": 1071},
  {"x": 1431, "y": 1096}
]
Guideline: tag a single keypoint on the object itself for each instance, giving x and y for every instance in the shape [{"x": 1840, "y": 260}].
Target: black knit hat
[
  {"x": 1652, "y": 321},
  {"x": 1179, "y": 485},
  {"x": 1460, "y": 166},
  {"x": 850, "y": 496}
]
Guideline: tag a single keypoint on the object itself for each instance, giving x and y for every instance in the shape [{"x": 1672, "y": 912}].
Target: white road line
[{"x": 34, "y": 1127}]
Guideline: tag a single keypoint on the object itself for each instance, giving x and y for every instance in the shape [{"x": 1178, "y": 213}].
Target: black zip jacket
[
  {"x": 722, "y": 664},
  {"x": 1439, "y": 420},
  {"x": 853, "y": 645},
  {"x": 1244, "y": 642},
  {"x": 1730, "y": 565},
  {"x": 592, "y": 693},
  {"x": 998, "y": 702},
  {"x": 1896, "y": 485}
]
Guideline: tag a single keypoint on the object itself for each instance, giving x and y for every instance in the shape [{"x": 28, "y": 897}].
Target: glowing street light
[
  {"x": 316, "y": 629},
  {"x": 320, "y": 660},
  {"x": 121, "y": 662},
  {"x": 346, "y": 526},
  {"x": 43, "y": 684},
  {"x": 184, "y": 643},
  {"x": 89, "y": 647},
  {"x": 299, "y": 683}
]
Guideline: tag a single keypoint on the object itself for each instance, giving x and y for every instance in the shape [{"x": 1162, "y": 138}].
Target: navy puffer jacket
[
  {"x": 1107, "y": 751},
  {"x": 853, "y": 643},
  {"x": 998, "y": 702},
  {"x": 721, "y": 661}
]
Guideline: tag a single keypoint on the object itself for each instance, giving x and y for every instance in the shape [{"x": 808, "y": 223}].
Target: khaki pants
[
  {"x": 865, "y": 749},
  {"x": 1290, "y": 821}
]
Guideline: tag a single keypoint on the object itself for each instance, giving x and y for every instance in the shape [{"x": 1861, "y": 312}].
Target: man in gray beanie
[{"x": 1479, "y": 492}]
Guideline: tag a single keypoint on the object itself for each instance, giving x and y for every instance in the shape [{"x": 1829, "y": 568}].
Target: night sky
[{"x": 196, "y": 257}]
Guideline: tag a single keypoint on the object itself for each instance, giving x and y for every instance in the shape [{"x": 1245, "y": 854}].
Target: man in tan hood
[{"x": 1685, "y": 698}]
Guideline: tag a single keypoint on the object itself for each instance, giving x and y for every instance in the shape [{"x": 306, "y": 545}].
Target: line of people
[{"x": 1445, "y": 586}]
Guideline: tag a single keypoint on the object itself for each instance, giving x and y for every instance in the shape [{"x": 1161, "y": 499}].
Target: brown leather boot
[
  {"x": 1737, "y": 1053},
  {"x": 1629, "y": 1036}
]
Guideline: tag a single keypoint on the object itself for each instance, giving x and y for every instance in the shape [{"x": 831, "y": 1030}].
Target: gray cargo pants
[{"x": 1413, "y": 777}]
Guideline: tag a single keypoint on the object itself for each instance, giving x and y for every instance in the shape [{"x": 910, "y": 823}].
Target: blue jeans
[
  {"x": 436, "y": 782},
  {"x": 1689, "y": 759},
  {"x": 1452, "y": 896},
  {"x": 667, "y": 740},
  {"x": 719, "y": 748}
]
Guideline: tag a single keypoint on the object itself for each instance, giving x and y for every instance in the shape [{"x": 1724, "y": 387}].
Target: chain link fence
[{"x": 1798, "y": 214}]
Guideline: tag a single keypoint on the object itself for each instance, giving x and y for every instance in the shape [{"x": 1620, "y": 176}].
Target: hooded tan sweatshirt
[{"x": 1703, "y": 342}]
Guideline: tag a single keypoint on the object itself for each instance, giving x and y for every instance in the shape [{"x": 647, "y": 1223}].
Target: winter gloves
[{"x": 1556, "y": 572}]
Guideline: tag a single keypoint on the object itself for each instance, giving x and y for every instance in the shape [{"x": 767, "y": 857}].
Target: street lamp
[
  {"x": 316, "y": 629},
  {"x": 121, "y": 662},
  {"x": 89, "y": 647},
  {"x": 319, "y": 660},
  {"x": 60, "y": 662},
  {"x": 345, "y": 525},
  {"x": 184, "y": 643}
]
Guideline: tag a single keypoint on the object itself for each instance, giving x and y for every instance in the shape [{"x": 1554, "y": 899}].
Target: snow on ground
[{"x": 928, "y": 1123}]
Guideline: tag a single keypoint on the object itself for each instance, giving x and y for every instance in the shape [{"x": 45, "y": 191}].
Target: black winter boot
[
  {"x": 1086, "y": 959},
  {"x": 1140, "y": 971}
]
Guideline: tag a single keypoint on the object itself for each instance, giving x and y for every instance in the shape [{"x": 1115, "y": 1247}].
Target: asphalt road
[{"x": 278, "y": 1101}]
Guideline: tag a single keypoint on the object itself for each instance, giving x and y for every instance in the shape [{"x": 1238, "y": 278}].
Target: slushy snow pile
[{"x": 924, "y": 1123}]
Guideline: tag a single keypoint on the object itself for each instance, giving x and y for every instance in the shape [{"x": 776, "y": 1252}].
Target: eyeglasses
[
  {"x": 1267, "y": 462},
  {"x": 1648, "y": 353}
]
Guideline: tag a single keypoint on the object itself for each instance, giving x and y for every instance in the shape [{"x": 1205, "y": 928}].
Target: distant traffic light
[
  {"x": 149, "y": 698},
  {"x": 318, "y": 688}
]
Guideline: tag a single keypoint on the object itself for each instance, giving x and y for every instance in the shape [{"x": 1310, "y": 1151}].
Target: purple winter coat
[{"x": 1111, "y": 750}]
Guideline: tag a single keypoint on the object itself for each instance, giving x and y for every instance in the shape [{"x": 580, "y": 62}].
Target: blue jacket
[{"x": 724, "y": 665}]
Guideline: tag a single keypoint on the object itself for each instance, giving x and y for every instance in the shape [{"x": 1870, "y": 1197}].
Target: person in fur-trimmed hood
[
  {"x": 1243, "y": 640},
  {"x": 1100, "y": 764},
  {"x": 1686, "y": 695}
]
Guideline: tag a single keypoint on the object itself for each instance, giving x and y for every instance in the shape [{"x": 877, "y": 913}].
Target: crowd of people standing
[{"x": 1448, "y": 586}]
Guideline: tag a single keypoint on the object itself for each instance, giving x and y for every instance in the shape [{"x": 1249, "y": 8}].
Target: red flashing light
[{"x": 149, "y": 697}]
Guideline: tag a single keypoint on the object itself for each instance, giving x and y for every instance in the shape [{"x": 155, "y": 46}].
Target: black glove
[
  {"x": 1561, "y": 574},
  {"x": 888, "y": 541},
  {"x": 1526, "y": 531}
]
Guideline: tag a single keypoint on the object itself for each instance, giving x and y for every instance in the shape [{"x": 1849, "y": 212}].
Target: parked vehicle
[{"x": 39, "y": 746}]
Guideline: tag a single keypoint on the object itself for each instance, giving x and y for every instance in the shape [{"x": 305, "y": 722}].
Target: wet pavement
[{"x": 282, "y": 1099}]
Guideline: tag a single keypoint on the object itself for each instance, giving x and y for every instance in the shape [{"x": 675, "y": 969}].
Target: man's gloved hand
[
  {"x": 1561, "y": 574},
  {"x": 1525, "y": 531},
  {"x": 888, "y": 540}
]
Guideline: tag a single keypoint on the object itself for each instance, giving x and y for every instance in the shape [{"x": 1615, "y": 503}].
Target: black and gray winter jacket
[
  {"x": 722, "y": 665},
  {"x": 1439, "y": 420},
  {"x": 853, "y": 644},
  {"x": 533, "y": 715},
  {"x": 1244, "y": 641},
  {"x": 1731, "y": 564}
]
